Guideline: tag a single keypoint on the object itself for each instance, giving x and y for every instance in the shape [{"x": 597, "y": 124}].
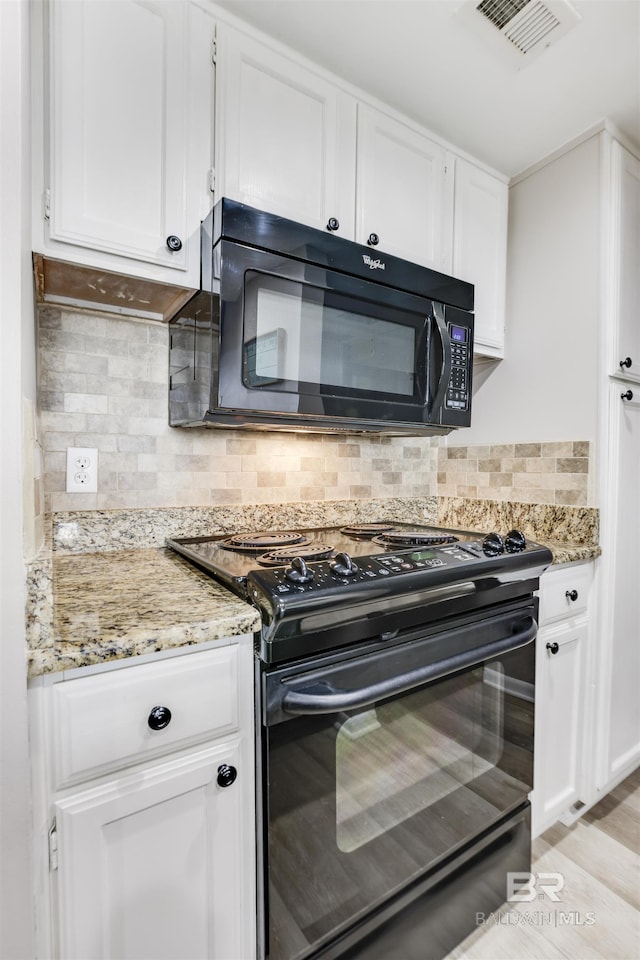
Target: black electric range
[{"x": 322, "y": 587}]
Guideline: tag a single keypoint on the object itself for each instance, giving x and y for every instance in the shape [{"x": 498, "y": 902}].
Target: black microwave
[{"x": 298, "y": 329}]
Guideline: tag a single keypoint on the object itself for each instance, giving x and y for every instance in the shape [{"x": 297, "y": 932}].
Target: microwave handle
[{"x": 445, "y": 339}]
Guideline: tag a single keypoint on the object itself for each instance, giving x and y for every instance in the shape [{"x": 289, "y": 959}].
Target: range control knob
[
  {"x": 515, "y": 541},
  {"x": 493, "y": 545},
  {"x": 298, "y": 571},
  {"x": 343, "y": 565}
]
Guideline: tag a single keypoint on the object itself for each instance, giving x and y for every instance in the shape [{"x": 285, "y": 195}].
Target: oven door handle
[{"x": 331, "y": 700}]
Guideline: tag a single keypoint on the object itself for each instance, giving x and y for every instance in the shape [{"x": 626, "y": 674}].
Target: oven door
[
  {"x": 308, "y": 343},
  {"x": 379, "y": 769}
]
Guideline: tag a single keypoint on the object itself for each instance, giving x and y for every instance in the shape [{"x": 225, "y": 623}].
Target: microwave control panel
[{"x": 457, "y": 396}]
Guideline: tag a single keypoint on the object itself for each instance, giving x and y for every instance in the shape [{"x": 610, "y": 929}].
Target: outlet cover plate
[{"x": 82, "y": 470}]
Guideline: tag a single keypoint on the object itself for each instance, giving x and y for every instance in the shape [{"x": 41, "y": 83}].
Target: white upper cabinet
[
  {"x": 291, "y": 141},
  {"x": 285, "y": 135},
  {"x": 129, "y": 119},
  {"x": 404, "y": 192},
  {"x": 480, "y": 249},
  {"x": 625, "y": 231}
]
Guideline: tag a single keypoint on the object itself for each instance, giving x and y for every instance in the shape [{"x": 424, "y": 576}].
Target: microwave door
[{"x": 439, "y": 361}]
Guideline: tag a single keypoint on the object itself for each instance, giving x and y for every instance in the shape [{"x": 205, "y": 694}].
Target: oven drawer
[
  {"x": 564, "y": 592},
  {"x": 114, "y": 719}
]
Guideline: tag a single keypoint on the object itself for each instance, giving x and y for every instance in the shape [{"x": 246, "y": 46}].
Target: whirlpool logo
[{"x": 373, "y": 264}]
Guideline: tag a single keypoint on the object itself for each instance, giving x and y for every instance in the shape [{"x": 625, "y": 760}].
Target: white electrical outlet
[{"x": 82, "y": 470}]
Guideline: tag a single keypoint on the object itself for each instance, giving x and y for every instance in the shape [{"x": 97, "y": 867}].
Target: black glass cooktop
[{"x": 231, "y": 557}]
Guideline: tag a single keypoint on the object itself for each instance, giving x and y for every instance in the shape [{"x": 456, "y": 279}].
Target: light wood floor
[{"x": 599, "y": 915}]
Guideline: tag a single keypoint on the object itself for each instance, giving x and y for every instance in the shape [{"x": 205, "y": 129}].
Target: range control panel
[
  {"x": 332, "y": 576},
  {"x": 457, "y": 396}
]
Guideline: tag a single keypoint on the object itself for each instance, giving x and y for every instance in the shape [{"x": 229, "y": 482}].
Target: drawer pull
[
  {"x": 226, "y": 775},
  {"x": 159, "y": 718},
  {"x": 571, "y": 595},
  {"x": 553, "y": 647}
]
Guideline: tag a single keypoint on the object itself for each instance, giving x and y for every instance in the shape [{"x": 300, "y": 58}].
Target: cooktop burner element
[
  {"x": 262, "y": 542},
  {"x": 315, "y": 551},
  {"x": 414, "y": 538},
  {"x": 366, "y": 530}
]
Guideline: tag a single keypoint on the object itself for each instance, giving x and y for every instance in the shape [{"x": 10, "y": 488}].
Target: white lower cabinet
[
  {"x": 148, "y": 864},
  {"x": 145, "y": 850},
  {"x": 562, "y": 694},
  {"x": 618, "y": 649}
]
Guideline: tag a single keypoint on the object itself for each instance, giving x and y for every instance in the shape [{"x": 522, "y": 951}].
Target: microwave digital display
[{"x": 458, "y": 334}]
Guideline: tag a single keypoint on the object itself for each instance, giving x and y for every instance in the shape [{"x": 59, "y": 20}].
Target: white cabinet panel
[
  {"x": 625, "y": 211},
  {"x": 102, "y": 721},
  {"x": 560, "y": 683},
  {"x": 403, "y": 190},
  {"x": 480, "y": 250},
  {"x": 564, "y": 592},
  {"x": 119, "y": 90},
  {"x": 282, "y": 133},
  {"x": 148, "y": 865},
  {"x": 619, "y": 667},
  {"x": 128, "y": 137},
  {"x": 561, "y": 767}
]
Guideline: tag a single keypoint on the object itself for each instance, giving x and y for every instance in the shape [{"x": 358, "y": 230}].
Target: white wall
[
  {"x": 17, "y": 380},
  {"x": 546, "y": 387}
]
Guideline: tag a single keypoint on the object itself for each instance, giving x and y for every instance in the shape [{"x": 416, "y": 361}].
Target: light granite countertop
[
  {"x": 95, "y": 595},
  {"x": 112, "y": 605}
]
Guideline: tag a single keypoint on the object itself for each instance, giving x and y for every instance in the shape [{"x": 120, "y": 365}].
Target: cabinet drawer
[
  {"x": 564, "y": 592},
  {"x": 111, "y": 719}
]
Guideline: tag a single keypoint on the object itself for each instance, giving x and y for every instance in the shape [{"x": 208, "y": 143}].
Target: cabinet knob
[
  {"x": 626, "y": 362},
  {"x": 226, "y": 775},
  {"x": 373, "y": 240},
  {"x": 627, "y": 395},
  {"x": 333, "y": 224},
  {"x": 553, "y": 647},
  {"x": 571, "y": 595},
  {"x": 159, "y": 718},
  {"x": 174, "y": 243}
]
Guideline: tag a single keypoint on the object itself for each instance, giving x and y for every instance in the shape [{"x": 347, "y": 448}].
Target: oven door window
[
  {"x": 400, "y": 758},
  {"x": 362, "y": 803},
  {"x": 305, "y": 339}
]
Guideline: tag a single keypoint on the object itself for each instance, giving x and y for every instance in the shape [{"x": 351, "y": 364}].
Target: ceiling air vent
[{"x": 523, "y": 28}]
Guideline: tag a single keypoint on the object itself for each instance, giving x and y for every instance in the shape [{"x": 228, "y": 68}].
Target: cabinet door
[
  {"x": 480, "y": 250},
  {"x": 404, "y": 191},
  {"x": 151, "y": 865},
  {"x": 285, "y": 136},
  {"x": 620, "y": 642},
  {"x": 559, "y": 720},
  {"x": 626, "y": 181},
  {"x": 121, "y": 120}
]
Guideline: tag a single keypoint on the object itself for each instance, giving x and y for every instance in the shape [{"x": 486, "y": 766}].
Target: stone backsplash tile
[
  {"x": 103, "y": 384},
  {"x": 549, "y": 473}
]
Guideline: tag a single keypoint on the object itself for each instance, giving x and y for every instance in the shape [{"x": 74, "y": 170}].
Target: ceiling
[{"x": 422, "y": 58}]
